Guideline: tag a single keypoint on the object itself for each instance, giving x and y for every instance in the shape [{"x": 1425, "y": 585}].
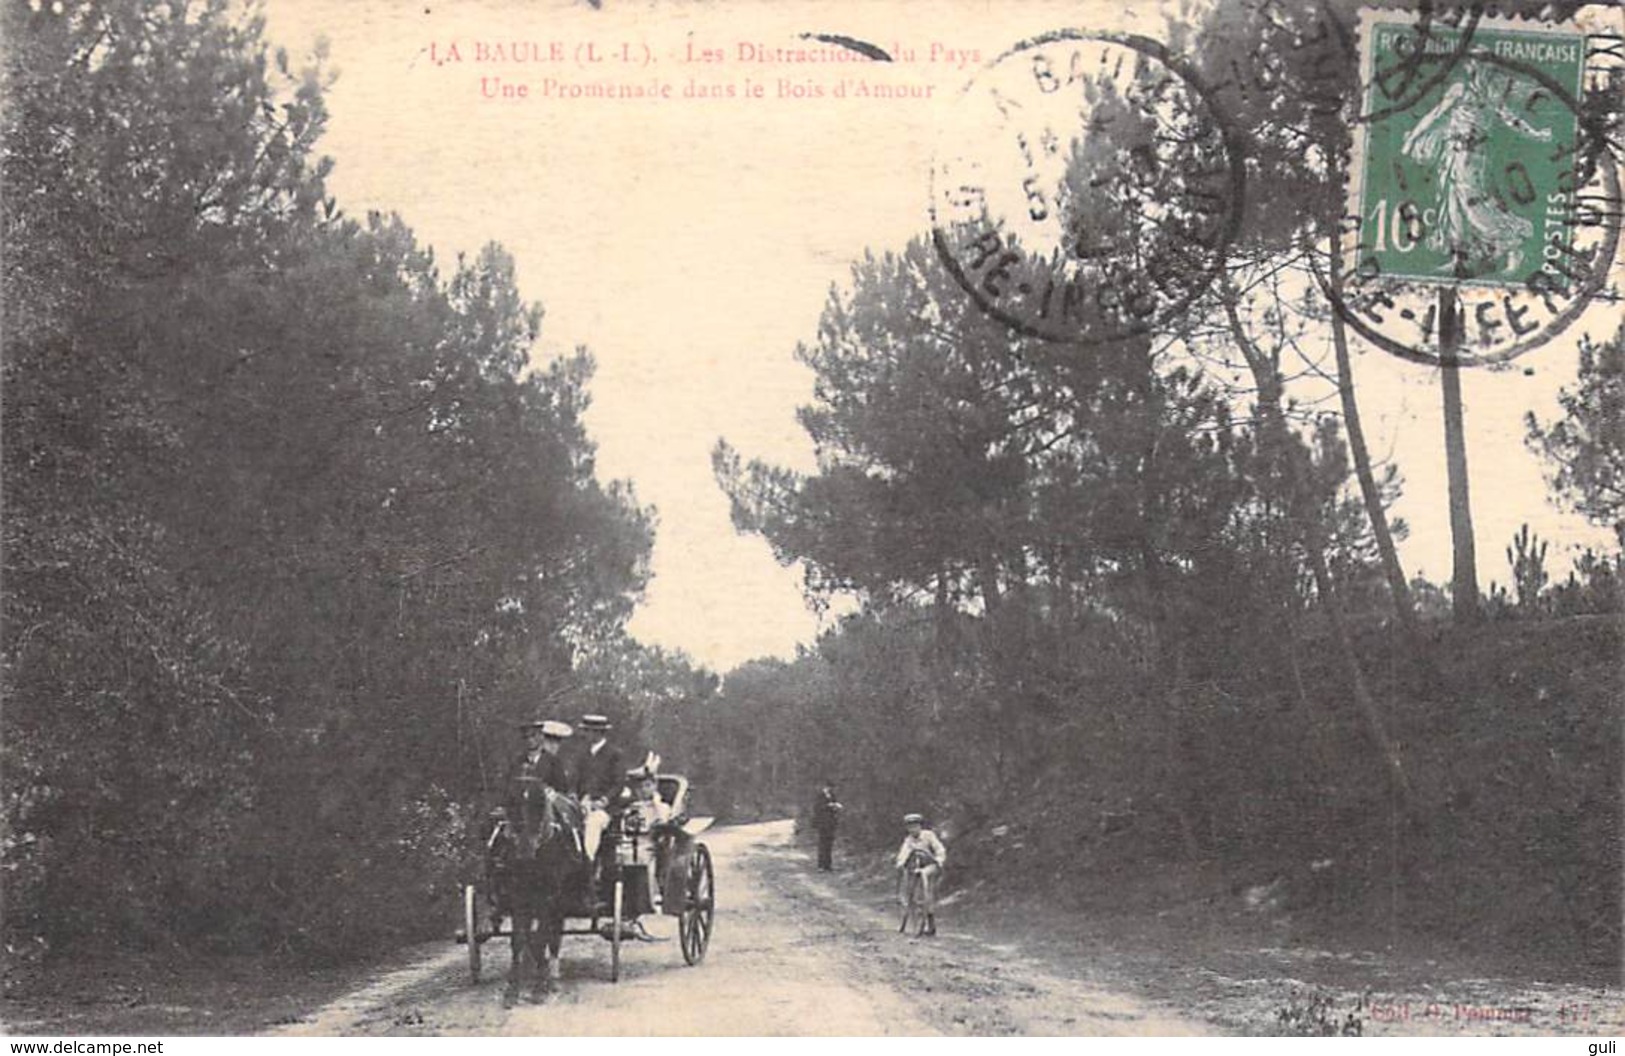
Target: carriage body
[
  {"x": 656, "y": 861},
  {"x": 663, "y": 869}
]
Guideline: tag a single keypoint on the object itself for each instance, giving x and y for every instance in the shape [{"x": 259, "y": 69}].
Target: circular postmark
[
  {"x": 1484, "y": 217},
  {"x": 1086, "y": 189}
]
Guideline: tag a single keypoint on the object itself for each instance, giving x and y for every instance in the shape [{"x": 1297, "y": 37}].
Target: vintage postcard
[{"x": 740, "y": 518}]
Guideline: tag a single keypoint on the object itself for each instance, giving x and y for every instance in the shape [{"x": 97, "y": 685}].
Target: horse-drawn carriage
[{"x": 660, "y": 868}]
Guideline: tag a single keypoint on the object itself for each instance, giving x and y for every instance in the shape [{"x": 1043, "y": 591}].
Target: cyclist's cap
[
  {"x": 549, "y": 728},
  {"x": 594, "y": 722},
  {"x": 913, "y": 819}
]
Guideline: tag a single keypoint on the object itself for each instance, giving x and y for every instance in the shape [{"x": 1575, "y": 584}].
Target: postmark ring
[{"x": 1122, "y": 231}]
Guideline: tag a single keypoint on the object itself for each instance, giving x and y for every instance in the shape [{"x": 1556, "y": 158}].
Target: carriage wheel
[
  {"x": 699, "y": 906},
  {"x": 615, "y": 931},
  {"x": 471, "y": 916}
]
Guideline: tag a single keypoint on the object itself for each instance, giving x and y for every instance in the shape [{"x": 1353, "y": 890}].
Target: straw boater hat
[
  {"x": 549, "y": 727},
  {"x": 913, "y": 819},
  {"x": 595, "y": 723}
]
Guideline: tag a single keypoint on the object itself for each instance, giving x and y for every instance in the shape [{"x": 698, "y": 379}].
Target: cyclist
[{"x": 926, "y": 852}]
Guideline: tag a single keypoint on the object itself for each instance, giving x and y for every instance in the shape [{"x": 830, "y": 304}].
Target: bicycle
[{"x": 913, "y": 883}]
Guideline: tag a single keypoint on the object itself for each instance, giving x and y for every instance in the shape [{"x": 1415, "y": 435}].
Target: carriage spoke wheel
[
  {"x": 699, "y": 906},
  {"x": 615, "y": 929},
  {"x": 471, "y": 915}
]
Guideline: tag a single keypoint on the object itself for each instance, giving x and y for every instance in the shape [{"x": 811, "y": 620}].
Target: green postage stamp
[{"x": 1464, "y": 166}]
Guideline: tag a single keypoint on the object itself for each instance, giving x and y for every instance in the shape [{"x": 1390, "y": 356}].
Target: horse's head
[
  {"x": 532, "y": 818},
  {"x": 552, "y": 818}
]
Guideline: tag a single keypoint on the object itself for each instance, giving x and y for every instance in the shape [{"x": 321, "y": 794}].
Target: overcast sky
[{"x": 690, "y": 243}]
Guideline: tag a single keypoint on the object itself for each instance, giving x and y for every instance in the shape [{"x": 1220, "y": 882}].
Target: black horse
[{"x": 541, "y": 870}]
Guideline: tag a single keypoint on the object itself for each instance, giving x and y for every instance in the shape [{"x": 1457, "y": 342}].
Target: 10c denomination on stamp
[{"x": 1492, "y": 183}]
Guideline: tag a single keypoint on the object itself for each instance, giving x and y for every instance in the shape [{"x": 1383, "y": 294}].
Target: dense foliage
[
  {"x": 1038, "y": 539},
  {"x": 1092, "y": 633},
  {"x": 1126, "y": 604},
  {"x": 293, "y": 529},
  {"x": 1586, "y": 447}
]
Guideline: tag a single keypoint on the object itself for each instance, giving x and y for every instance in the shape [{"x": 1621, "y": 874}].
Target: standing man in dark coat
[
  {"x": 542, "y": 763},
  {"x": 826, "y": 814}
]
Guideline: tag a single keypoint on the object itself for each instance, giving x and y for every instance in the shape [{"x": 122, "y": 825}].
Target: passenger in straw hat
[{"x": 600, "y": 780}]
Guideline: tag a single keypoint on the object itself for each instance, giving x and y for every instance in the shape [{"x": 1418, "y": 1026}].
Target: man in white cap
[
  {"x": 543, "y": 760},
  {"x": 922, "y": 843},
  {"x": 542, "y": 764}
]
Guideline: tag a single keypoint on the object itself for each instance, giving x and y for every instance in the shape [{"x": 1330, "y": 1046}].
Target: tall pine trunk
[
  {"x": 1464, "y": 571},
  {"x": 1280, "y": 447},
  {"x": 1369, "y": 493}
]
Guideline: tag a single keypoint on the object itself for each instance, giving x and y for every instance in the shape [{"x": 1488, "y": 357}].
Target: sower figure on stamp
[
  {"x": 826, "y": 816},
  {"x": 600, "y": 780},
  {"x": 1474, "y": 224}
]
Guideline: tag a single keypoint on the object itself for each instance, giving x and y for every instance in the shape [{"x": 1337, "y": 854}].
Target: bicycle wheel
[{"x": 914, "y": 905}]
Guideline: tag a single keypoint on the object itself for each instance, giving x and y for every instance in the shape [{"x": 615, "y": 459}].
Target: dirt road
[{"x": 792, "y": 954}]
